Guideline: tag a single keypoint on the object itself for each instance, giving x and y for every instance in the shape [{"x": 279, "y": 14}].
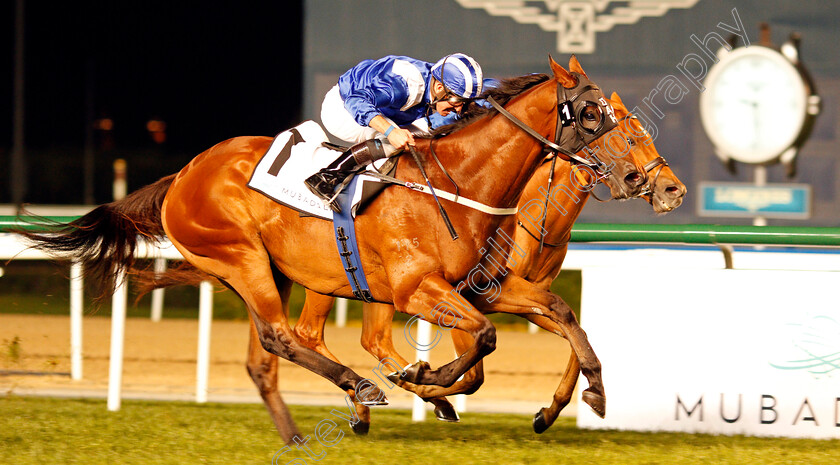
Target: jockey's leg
[
  {"x": 324, "y": 182},
  {"x": 369, "y": 147}
]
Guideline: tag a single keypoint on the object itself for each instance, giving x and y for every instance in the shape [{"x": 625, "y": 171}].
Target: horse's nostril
[{"x": 675, "y": 191}]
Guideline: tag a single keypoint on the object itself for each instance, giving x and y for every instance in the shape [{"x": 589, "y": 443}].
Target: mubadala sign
[
  {"x": 577, "y": 22},
  {"x": 754, "y": 352}
]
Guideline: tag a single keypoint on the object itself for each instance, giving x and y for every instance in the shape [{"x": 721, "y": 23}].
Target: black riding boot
[{"x": 324, "y": 182}]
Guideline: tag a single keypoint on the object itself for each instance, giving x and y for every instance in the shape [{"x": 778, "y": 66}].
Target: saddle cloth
[{"x": 295, "y": 155}]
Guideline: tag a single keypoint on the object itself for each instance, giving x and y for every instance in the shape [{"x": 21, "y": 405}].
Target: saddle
[
  {"x": 301, "y": 151},
  {"x": 296, "y": 154}
]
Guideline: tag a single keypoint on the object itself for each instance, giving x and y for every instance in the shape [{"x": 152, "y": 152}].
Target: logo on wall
[
  {"x": 814, "y": 347},
  {"x": 577, "y": 22}
]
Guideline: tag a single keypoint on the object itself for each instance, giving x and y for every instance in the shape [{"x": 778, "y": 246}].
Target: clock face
[{"x": 754, "y": 105}]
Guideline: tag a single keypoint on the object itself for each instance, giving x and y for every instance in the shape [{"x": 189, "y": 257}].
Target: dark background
[
  {"x": 628, "y": 58},
  {"x": 214, "y": 71},
  {"x": 210, "y": 71}
]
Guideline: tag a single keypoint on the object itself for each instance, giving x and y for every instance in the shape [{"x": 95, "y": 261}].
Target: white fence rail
[{"x": 12, "y": 247}]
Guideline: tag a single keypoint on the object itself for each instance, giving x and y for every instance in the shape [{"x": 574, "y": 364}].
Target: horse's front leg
[
  {"x": 377, "y": 339},
  {"x": 309, "y": 330},
  {"x": 563, "y": 394},
  {"x": 468, "y": 384},
  {"x": 435, "y": 300},
  {"x": 522, "y": 297}
]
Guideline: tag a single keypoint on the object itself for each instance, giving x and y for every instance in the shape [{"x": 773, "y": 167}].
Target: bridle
[
  {"x": 657, "y": 162},
  {"x": 569, "y": 115},
  {"x": 566, "y": 117}
]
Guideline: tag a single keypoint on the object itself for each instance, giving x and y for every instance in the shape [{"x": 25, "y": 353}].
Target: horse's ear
[
  {"x": 575, "y": 67},
  {"x": 617, "y": 103},
  {"x": 561, "y": 75}
]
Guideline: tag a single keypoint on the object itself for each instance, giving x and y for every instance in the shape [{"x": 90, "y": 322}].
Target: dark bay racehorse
[
  {"x": 664, "y": 191},
  {"x": 258, "y": 249}
]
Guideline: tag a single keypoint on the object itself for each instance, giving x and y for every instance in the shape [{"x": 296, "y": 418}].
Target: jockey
[{"x": 375, "y": 101}]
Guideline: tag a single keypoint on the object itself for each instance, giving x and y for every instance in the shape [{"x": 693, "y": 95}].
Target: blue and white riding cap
[{"x": 460, "y": 74}]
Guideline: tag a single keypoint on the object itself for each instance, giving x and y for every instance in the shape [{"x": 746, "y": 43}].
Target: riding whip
[
  {"x": 432, "y": 190},
  {"x": 545, "y": 208}
]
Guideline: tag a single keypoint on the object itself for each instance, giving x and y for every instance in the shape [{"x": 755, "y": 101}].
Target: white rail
[{"x": 12, "y": 247}]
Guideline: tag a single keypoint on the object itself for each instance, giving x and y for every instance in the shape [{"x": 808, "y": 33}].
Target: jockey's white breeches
[{"x": 340, "y": 123}]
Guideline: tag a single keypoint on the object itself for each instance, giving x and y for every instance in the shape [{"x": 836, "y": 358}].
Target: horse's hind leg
[
  {"x": 262, "y": 366},
  {"x": 309, "y": 330},
  {"x": 264, "y": 290}
]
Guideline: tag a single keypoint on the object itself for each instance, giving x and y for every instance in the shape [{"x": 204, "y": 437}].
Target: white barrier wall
[{"x": 710, "y": 350}]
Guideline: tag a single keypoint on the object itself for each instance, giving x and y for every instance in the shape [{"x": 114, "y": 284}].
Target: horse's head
[
  {"x": 584, "y": 118},
  {"x": 664, "y": 191}
]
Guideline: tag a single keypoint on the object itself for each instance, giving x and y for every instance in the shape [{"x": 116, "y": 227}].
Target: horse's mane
[{"x": 503, "y": 93}]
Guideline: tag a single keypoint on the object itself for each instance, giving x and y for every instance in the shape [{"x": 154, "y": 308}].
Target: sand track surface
[{"x": 160, "y": 362}]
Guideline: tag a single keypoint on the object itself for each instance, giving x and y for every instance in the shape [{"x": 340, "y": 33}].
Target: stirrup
[{"x": 323, "y": 185}]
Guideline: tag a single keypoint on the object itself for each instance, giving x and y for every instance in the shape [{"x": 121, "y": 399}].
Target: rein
[
  {"x": 541, "y": 238},
  {"x": 442, "y": 211},
  {"x": 550, "y": 146},
  {"x": 600, "y": 169}
]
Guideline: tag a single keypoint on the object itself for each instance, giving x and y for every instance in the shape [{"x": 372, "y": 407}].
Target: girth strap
[{"x": 348, "y": 248}]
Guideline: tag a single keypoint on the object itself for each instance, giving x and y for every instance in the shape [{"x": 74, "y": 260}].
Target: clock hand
[{"x": 756, "y": 126}]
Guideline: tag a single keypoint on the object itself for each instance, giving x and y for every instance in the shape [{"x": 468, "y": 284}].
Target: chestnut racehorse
[
  {"x": 664, "y": 191},
  {"x": 258, "y": 248}
]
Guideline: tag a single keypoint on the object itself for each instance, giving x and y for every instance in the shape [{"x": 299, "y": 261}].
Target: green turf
[{"x": 46, "y": 431}]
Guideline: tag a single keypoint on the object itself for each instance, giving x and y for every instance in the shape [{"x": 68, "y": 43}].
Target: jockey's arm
[{"x": 398, "y": 137}]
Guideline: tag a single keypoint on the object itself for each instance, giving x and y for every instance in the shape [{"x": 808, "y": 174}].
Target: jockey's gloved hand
[{"x": 400, "y": 138}]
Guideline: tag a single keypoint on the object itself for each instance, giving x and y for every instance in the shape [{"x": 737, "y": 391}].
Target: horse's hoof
[
  {"x": 447, "y": 413},
  {"x": 375, "y": 403},
  {"x": 414, "y": 372},
  {"x": 597, "y": 402},
  {"x": 540, "y": 425},
  {"x": 360, "y": 428},
  {"x": 371, "y": 396}
]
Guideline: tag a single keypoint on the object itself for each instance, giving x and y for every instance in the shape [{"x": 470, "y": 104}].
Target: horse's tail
[
  {"x": 182, "y": 274},
  {"x": 105, "y": 239}
]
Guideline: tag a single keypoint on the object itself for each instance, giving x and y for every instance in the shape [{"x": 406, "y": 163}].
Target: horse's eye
[
  {"x": 631, "y": 142},
  {"x": 590, "y": 117}
]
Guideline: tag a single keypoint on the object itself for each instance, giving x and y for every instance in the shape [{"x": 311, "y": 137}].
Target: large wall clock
[{"x": 759, "y": 104}]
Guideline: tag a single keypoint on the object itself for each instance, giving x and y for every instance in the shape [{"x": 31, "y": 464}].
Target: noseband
[{"x": 657, "y": 162}]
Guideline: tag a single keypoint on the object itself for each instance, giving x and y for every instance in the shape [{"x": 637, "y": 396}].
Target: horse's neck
[
  {"x": 564, "y": 200},
  {"x": 563, "y": 203},
  {"x": 493, "y": 159}
]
